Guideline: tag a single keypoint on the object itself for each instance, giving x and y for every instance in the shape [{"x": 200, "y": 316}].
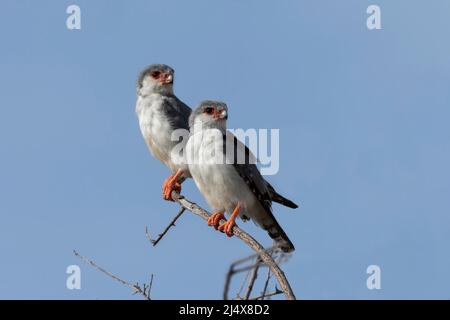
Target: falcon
[
  {"x": 230, "y": 181},
  {"x": 160, "y": 112}
]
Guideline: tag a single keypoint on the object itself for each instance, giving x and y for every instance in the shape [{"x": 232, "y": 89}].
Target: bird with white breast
[
  {"x": 214, "y": 156},
  {"x": 160, "y": 112}
]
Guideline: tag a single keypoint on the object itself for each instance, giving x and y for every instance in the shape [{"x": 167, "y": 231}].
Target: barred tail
[{"x": 279, "y": 236}]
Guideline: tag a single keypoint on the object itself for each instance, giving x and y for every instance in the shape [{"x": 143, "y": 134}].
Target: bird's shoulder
[
  {"x": 177, "y": 111},
  {"x": 166, "y": 107}
]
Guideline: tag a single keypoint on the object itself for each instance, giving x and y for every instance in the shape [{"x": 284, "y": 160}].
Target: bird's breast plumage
[
  {"x": 225, "y": 185},
  {"x": 220, "y": 184},
  {"x": 156, "y": 128}
]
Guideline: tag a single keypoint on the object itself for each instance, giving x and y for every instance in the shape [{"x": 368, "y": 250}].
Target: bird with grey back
[
  {"x": 229, "y": 184},
  {"x": 160, "y": 113}
]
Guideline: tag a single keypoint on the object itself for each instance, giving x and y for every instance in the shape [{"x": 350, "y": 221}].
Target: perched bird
[
  {"x": 230, "y": 185},
  {"x": 160, "y": 112}
]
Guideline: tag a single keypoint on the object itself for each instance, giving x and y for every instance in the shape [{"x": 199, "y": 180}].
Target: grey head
[
  {"x": 209, "y": 114},
  {"x": 156, "y": 78}
]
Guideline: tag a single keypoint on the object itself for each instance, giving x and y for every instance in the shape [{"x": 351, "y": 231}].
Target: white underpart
[
  {"x": 156, "y": 130},
  {"x": 219, "y": 183}
]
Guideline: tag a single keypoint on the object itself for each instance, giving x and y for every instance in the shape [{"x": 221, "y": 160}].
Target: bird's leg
[
  {"x": 215, "y": 218},
  {"x": 171, "y": 184},
  {"x": 227, "y": 227}
]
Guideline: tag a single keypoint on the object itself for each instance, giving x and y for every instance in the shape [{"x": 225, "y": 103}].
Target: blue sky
[{"x": 363, "y": 118}]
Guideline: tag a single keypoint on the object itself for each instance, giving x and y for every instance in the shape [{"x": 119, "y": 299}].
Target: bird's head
[
  {"x": 210, "y": 114},
  {"x": 157, "y": 78}
]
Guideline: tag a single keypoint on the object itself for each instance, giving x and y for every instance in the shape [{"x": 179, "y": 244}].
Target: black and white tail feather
[{"x": 263, "y": 191}]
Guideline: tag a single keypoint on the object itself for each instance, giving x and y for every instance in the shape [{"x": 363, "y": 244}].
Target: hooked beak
[
  {"x": 220, "y": 114},
  {"x": 167, "y": 78}
]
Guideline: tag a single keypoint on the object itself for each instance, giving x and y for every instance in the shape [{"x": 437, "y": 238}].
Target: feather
[{"x": 260, "y": 188}]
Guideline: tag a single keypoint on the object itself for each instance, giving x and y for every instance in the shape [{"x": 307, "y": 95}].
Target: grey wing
[
  {"x": 178, "y": 113},
  {"x": 261, "y": 189},
  {"x": 242, "y": 154}
]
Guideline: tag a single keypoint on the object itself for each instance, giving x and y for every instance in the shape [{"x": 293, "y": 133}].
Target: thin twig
[
  {"x": 269, "y": 294},
  {"x": 232, "y": 269},
  {"x": 241, "y": 287},
  {"x": 226, "y": 287},
  {"x": 145, "y": 292},
  {"x": 253, "y": 277},
  {"x": 161, "y": 235},
  {"x": 269, "y": 250},
  {"x": 150, "y": 285},
  {"x": 249, "y": 268},
  {"x": 266, "y": 284},
  {"x": 249, "y": 240}
]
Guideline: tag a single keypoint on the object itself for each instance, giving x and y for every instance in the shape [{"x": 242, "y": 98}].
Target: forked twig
[
  {"x": 144, "y": 291},
  {"x": 161, "y": 235},
  {"x": 254, "y": 275},
  {"x": 267, "y": 295},
  {"x": 266, "y": 284},
  {"x": 249, "y": 240}
]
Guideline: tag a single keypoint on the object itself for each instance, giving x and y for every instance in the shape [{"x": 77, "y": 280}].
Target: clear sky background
[{"x": 364, "y": 129}]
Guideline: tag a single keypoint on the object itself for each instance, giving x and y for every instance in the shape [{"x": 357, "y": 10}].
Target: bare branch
[
  {"x": 249, "y": 240},
  {"x": 161, "y": 235},
  {"x": 266, "y": 284},
  {"x": 269, "y": 250},
  {"x": 145, "y": 291},
  {"x": 232, "y": 270},
  {"x": 226, "y": 287},
  {"x": 249, "y": 268},
  {"x": 263, "y": 256},
  {"x": 253, "y": 277},
  {"x": 269, "y": 294}
]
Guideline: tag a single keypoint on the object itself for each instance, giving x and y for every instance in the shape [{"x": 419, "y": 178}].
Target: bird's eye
[
  {"x": 155, "y": 74},
  {"x": 209, "y": 110}
]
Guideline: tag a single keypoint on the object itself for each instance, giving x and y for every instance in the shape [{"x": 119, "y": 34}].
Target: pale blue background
[{"x": 365, "y": 142}]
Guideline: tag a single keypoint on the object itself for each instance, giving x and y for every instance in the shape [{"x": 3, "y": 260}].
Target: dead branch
[
  {"x": 263, "y": 259},
  {"x": 161, "y": 235},
  {"x": 249, "y": 268},
  {"x": 252, "y": 274},
  {"x": 144, "y": 291},
  {"x": 252, "y": 280},
  {"x": 266, "y": 284},
  {"x": 249, "y": 240},
  {"x": 226, "y": 287},
  {"x": 232, "y": 270},
  {"x": 269, "y": 250},
  {"x": 267, "y": 295}
]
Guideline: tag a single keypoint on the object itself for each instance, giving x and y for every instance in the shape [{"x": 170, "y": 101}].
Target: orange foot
[
  {"x": 171, "y": 184},
  {"x": 215, "y": 218},
  {"x": 227, "y": 227}
]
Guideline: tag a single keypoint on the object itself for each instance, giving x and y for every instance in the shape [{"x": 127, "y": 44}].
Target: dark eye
[
  {"x": 209, "y": 110},
  {"x": 155, "y": 74}
]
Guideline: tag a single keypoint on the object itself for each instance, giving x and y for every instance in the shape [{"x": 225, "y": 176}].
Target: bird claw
[
  {"x": 214, "y": 219},
  {"x": 169, "y": 185},
  {"x": 227, "y": 227}
]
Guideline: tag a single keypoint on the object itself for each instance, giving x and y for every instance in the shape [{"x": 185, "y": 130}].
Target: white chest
[
  {"x": 155, "y": 127},
  {"x": 217, "y": 181}
]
